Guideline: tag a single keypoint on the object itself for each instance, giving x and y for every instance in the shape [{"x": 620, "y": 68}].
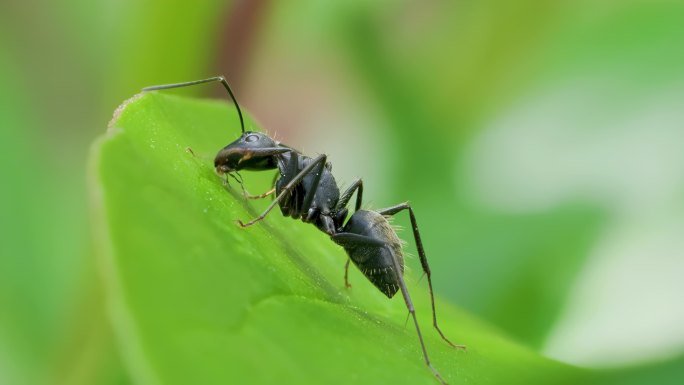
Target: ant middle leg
[
  {"x": 423, "y": 261},
  {"x": 357, "y": 187},
  {"x": 346, "y": 274},
  {"x": 347, "y": 194}
]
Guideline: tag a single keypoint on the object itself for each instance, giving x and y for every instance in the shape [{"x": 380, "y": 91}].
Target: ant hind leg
[{"x": 423, "y": 261}]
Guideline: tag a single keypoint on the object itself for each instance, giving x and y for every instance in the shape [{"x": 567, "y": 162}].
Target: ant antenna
[{"x": 214, "y": 79}]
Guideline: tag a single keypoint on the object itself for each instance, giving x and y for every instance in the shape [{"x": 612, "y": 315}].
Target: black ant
[{"x": 306, "y": 189}]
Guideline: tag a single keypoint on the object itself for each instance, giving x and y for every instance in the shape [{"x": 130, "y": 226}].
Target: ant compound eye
[{"x": 251, "y": 138}]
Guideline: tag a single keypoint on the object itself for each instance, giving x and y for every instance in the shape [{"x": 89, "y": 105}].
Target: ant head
[{"x": 244, "y": 153}]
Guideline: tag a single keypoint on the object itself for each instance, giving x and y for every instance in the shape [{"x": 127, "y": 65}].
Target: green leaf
[{"x": 196, "y": 299}]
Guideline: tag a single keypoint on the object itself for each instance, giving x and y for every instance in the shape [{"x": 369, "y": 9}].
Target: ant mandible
[{"x": 306, "y": 189}]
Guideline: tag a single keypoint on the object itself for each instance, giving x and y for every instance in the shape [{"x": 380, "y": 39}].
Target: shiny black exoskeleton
[
  {"x": 306, "y": 189},
  {"x": 313, "y": 195}
]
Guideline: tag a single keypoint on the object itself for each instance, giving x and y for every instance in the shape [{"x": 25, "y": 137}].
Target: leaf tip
[{"x": 112, "y": 129}]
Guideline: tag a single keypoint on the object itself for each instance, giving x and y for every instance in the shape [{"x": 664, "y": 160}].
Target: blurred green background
[{"x": 539, "y": 142}]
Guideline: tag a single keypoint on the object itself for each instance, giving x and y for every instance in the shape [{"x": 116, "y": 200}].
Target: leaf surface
[{"x": 196, "y": 299}]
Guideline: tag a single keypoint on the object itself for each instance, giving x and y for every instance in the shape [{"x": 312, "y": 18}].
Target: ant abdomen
[{"x": 375, "y": 260}]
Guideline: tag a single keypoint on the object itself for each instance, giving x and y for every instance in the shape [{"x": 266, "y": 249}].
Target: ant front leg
[
  {"x": 260, "y": 196},
  {"x": 423, "y": 261},
  {"x": 264, "y": 195},
  {"x": 317, "y": 163}
]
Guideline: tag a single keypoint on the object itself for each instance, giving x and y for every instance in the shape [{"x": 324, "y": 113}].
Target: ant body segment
[{"x": 306, "y": 189}]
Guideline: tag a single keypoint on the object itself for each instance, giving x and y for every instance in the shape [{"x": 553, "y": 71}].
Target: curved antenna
[{"x": 195, "y": 82}]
